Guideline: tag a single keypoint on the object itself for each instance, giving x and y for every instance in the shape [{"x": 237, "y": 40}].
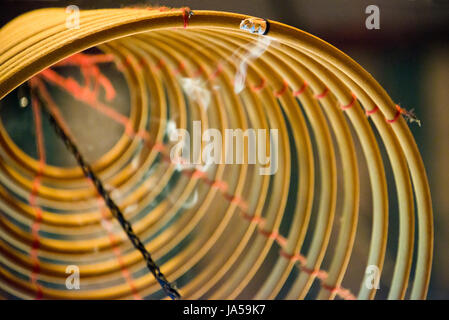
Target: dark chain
[{"x": 115, "y": 210}]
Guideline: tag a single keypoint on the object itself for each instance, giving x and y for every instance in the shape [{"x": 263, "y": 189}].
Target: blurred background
[{"x": 408, "y": 56}]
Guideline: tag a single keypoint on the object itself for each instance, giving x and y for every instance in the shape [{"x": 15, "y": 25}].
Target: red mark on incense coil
[
  {"x": 350, "y": 104},
  {"x": 323, "y": 94},
  {"x": 372, "y": 111},
  {"x": 260, "y": 86},
  {"x": 282, "y": 90},
  {"x": 223, "y": 187},
  {"x": 301, "y": 90}
]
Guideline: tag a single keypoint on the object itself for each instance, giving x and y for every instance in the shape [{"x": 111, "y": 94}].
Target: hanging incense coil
[{"x": 221, "y": 230}]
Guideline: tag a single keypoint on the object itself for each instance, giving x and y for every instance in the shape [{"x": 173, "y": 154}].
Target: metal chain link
[{"x": 115, "y": 210}]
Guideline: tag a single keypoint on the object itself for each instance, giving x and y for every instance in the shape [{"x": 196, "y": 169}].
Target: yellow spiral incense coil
[{"x": 226, "y": 232}]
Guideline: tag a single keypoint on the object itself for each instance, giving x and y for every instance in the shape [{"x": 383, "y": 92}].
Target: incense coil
[{"x": 300, "y": 85}]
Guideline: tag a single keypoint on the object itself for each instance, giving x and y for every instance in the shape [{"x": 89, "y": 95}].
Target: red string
[
  {"x": 301, "y": 90},
  {"x": 239, "y": 202},
  {"x": 198, "y": 72},
  {"x": 349, "y": 105},
  {"x": 332, "y": 289},
  {"x": 90, "y": 70},
  {"x": 186, "y": 16},
  {"x": 323, "y": 94},
  {"x": 282, "y": 90},
  {"x": 160, "y": 64},
  {"x": 372, "y": 111},
  {"x": 269, "y": 234},
  {"x": 217, "y": 72},
  {"x": 180, "y": 68},
  {"x": 397, "y": 115},
  {"x": 287, "y": 256},
  {"x": 82, "y": 94},
  {"x": 251, "y": 218},
  {"x": 220, "y": 185}
]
